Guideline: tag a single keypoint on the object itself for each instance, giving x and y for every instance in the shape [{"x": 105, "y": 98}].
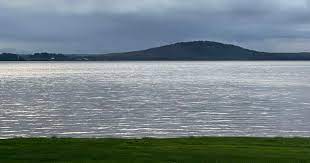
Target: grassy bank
[{"x": 220, "y": 150}]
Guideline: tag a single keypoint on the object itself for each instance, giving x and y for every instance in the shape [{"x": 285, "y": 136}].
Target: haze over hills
[{"x": 196, "y": 50}]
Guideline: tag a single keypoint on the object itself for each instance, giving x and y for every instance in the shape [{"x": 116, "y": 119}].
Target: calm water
[{"x": 154, "y": 99}]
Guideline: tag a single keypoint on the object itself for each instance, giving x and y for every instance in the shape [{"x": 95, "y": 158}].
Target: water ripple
[{"x": 154, "y": 99}]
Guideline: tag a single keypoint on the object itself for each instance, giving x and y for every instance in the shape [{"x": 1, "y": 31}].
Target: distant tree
[{"x": 10, "y": 57}]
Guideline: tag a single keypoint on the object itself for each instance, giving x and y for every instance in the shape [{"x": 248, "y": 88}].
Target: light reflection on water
[{"x": 154, "y": 99}]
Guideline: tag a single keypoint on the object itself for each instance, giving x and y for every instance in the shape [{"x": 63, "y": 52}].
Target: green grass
[{"x": 209, "y": 149}]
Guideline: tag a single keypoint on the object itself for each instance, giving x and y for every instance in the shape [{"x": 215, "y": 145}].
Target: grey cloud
[{"x": 100, "y": 26}]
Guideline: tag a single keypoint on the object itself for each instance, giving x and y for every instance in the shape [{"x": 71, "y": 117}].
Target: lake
[{"x": 154, "y": 99}]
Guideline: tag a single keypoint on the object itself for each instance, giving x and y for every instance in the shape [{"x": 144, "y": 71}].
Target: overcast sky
[{"x": 102, "y": 26}]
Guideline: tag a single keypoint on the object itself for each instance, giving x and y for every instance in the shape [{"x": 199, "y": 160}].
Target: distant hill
[
  {"x": 200, "y": 50},
  {"x": 196, "y": 50}
]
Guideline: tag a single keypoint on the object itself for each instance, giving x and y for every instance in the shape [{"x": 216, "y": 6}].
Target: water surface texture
[{"x": 154, "y": 99}]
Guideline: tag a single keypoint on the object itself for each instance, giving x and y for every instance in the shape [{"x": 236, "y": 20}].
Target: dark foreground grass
[{"x": 217, "y": 150}]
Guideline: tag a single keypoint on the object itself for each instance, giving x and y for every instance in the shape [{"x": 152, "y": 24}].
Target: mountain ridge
[
  {"x": 193, "y": 50},
  {"x": 200, "y": 50}
]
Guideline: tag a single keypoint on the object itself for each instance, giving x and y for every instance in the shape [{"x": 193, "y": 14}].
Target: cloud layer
[{"x": 100, "y": 26}]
